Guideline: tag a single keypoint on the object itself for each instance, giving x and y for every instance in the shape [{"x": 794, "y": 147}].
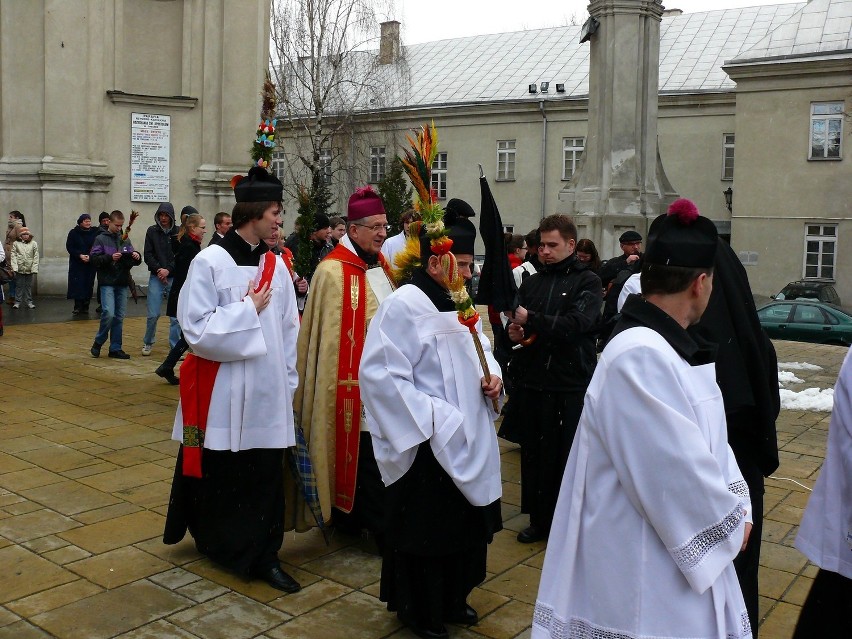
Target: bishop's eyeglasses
[{"x": 375, "y": 228}]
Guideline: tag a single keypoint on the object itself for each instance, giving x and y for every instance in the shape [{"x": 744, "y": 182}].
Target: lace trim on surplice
[
  {"x": 579, "y": 628},
  {"x": 689, "y": 555},
  {"x": 740, "y": 489}
]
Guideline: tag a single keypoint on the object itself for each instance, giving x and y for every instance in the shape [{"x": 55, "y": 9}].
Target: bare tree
[{"x": 325, "y": 64}]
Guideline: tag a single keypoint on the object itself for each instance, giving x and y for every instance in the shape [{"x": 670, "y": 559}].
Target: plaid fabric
[{"x": 303, "y": 470}]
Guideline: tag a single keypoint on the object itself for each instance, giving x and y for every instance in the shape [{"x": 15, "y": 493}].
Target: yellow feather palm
[{"x": 417, "y": 162}]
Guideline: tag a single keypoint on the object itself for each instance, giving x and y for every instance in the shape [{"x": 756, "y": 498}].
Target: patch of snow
[
  {"x": 798, "y": 366},
  {"x": 812, "y": 399},
  {"x": 786, "y": 377}
]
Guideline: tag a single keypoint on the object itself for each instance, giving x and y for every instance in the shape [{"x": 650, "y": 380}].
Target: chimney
[
  {"x": 670, "y": 13},
  {"x": 389, "y": 44}
]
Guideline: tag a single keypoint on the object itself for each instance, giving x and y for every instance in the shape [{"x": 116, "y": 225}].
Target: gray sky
[{"x": 429, "y": 20}]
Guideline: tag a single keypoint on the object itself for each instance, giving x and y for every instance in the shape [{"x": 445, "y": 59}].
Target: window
[
  {"x": 826, "y": 130},
  {"x": 508, "y": 228},
  {"x": 775, "y": 313},
  {"x": 803, "y": 314},
  {"x": 572, "y": 151},
  {"x": 325, "y": 165},
  {"x": 820, "y": 249},
  {"x": 377, "y": 164},
  {"x": 278, "y": 164},
  {"x": 505, "y": 159},
  {"x": 728, "y": 156},
  {"x": 439, "y": 175}
]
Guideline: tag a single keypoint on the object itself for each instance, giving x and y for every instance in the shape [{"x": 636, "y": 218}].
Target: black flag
[{"x": 496, "y": 283}]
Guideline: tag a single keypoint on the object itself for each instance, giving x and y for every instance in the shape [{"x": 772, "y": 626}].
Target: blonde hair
[{"x": 193, "y": 220}]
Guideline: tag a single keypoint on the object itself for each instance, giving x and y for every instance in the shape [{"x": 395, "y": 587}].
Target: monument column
[{"x": 621, "y": 183}]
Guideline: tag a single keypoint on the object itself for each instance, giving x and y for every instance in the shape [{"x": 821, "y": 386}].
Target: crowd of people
[{"x": 641, "y": 389}]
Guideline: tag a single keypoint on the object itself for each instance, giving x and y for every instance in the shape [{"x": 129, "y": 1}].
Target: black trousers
[
  {"x": 828, "y": 609},
  {"x": 174, "y": 354},
  {"x": 235, "y": 512},
  {"x": 544, "y": 424},
  {"x": 748, "y": 561}
]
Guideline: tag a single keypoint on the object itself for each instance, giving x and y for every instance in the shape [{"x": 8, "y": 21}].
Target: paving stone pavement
[{"x": 85, "y": 471}]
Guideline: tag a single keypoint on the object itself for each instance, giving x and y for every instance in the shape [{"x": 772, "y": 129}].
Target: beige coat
[{"x": 24, "y": 257}]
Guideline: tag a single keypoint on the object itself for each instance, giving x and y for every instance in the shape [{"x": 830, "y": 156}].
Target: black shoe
[
  {"x": 279, "y": 579},
  {"x": 76, "y": 311},
  {"x": 426, "y": 632},
  {"x": 532, "y": 534},
  {"x": 119, "y": 354},
  {"x": 466, "y": 616},
  {"x": 96, "y": 349},
  {"x": 167, "y": 374}
]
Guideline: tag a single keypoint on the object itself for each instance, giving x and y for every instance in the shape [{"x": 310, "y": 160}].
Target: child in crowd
[{"x": 25, "y": 265}]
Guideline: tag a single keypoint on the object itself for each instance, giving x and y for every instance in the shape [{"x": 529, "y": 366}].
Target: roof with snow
[
  {"x": 693, "y": 48},
  {"x": 821, "y": 27}
]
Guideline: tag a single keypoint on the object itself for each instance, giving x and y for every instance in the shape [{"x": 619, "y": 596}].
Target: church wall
[{"x": 71, "y": 74}]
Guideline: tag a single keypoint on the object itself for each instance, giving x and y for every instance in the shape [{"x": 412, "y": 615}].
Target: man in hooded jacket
[{"x": 160, "y": 260}]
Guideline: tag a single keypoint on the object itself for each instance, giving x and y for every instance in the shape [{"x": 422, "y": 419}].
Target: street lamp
[{"x": 729, "y": 198}]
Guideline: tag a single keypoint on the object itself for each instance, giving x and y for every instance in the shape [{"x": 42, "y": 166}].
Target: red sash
[
  {"x": 197, "y": 376},
  {"x": 287, "y": 256},
  {"x": 353, "y": 330}
]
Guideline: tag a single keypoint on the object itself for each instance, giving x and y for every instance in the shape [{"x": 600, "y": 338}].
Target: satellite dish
[{"x": 589, "y": 27}]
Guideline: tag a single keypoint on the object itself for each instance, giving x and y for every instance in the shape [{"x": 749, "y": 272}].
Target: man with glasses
[{"x": 346, "y": 290}]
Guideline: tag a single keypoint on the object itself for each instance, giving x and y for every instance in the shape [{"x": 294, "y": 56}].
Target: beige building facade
[
  {"x": 737, "y": 93},
  {"x": 792, "y": 216},
  {"x": 72, "y": 75}
]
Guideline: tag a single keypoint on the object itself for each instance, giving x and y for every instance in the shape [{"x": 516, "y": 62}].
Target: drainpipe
[
  {"x": 543, "y": 153},
  {"x": 352, "y": 182}
]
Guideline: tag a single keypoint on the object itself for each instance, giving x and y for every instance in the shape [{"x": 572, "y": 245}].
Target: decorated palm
[{"x": 417, "y": 162}]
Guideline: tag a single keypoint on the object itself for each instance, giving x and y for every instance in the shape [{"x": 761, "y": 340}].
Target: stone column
[
  {"x": 233, "y": 70},
  {"x": 52, "y": 167},
  {"x": 621, "y": 183}
]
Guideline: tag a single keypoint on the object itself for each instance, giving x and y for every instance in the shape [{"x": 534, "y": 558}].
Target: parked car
[
  {"x": 810, "y": 289},
  {"x": 806, "y": 321}
]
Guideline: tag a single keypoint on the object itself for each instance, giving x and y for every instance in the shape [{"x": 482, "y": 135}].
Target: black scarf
[
  {"x": 240, "y": 250},
  {"x": 436, "y": 293}
]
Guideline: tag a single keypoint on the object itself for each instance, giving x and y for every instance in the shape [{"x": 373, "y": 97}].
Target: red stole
[
  {"x": 353, "y": 330},
  {"x": 287, "y": 256},
  {"x": 197, "y": 376}
]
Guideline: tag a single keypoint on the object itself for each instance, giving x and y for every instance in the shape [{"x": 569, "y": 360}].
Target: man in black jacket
[
  {"x": 160, "y": 241},
  {"x": 113, "y": 259},
  {"x": 631, "y": 249},
  {"x": 551, "y": 369}
]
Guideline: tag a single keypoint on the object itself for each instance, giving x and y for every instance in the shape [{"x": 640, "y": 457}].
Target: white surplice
[
  {"x": 420, "y": 380},
  {"x": 392, "y": 246},
  {"x": 252, "y": 401},
  {"x": 652, "y": 507},
  {"x": 825, "y": 535}
]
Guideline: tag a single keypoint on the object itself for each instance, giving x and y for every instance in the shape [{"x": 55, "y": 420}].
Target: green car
[{"x": 806, "y": 321}]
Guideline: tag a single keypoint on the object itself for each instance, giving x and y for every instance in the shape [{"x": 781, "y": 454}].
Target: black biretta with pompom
[
  {"x": 682, "y": 238},
  {"x": 258, "y": 186},
  {"x": 459, "y": 229}
]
